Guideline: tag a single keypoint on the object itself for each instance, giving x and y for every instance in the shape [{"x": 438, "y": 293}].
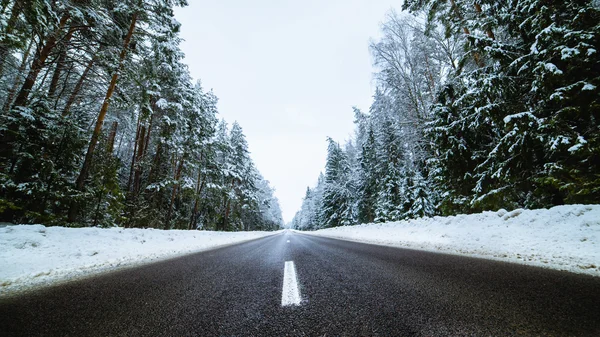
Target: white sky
[{"x": 289, "y": 71}]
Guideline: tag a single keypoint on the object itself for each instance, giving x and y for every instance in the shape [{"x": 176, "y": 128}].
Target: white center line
[{"x": 290, "y": 294}]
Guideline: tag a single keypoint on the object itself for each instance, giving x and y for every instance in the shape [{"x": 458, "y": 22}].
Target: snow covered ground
[
  {"x": 34, "y": 255},
  {"x": 563, "y": 237}
]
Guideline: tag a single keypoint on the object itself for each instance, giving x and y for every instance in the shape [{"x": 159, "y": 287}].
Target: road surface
[{"x": 332, "y": 288}]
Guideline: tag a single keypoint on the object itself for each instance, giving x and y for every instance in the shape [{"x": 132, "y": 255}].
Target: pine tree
[
  {"x": 337, "y": 203},
  {"x": 310, "y": 215},
  {"x": 367, "y": 185},
  {"x": 563, "y": 95}
]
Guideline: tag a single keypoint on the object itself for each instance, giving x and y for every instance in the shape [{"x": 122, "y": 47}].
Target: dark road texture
[{"x": 347, "y": 289}]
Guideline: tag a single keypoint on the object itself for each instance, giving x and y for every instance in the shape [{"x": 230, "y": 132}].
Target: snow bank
[
  {"x": 35, "y": 255},
  {"x": 563, "y": 237}
]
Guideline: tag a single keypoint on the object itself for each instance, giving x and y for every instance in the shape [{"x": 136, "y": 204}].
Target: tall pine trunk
[
  {"x": 155, "y": 162},
  {"x": 136, "y": 144},
  {"x": 174, "y": 192},
  {"x": 488, "y": 31},
  {"x": 78, "y": 86},
  {"x": 12, "y": 91},
  {"x": 60, "y": 63},
  {"x": 226, "y": 217},
  {"x": 8, "y": 136},
  {"x": 466, "y": 30},
  {"x": 111, "y": 137},
  {"x": 142, "y": 143},
  {"x": 199, "y": 188},
  {"x": 227, "y": 208},
  {"x": 137, "y": 176},
  {"x": 39, "y": 62},
  {"x": 87, "y": 163},
  {"x": 130, "y": 196},
  {"x": 10, "y": 24}
]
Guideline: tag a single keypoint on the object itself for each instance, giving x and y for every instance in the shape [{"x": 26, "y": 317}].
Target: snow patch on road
[
  {"x": 563, "y": 237},
  {"x": 34, "y": 255}
]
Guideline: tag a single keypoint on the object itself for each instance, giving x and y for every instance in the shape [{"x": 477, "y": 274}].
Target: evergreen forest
[
  {"x": 102, "y": 124},
  {"x": 479, "y": 105}
]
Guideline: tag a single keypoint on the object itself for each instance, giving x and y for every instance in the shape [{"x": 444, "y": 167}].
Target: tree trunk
[
  {"x": 97, "y": 213},
  {"x": 9, "y": 135},
  {"x": 431, "y": 83},
  {"x": 227, "y": 207},
  {"x": 155, "y": 162},
  {"x": 60, "y": 64},
  {"x": 142, "y": 142},
  {"x": 488, "y": 31},
  {"x": 174, "y": 193},
  {"x": 135, "y": 147},
  {"x": 78, "y": 86},
  {"x": 100, "y": 120},
  {"x": 226, "y": 217},
  {"x": 466, "y": 30},
  {"x": 87, "y": 163},
  {"x": 459, "y": 16},
  {"x": 199, "y": 187},
  {"x": 39, "y": 62},
  {"x": 131, "y": 195},
  {"x": 147, "y": 145},
  {"x": 63, "y": 85},
  {"x": 4, "y": 51},
  {"x": 6, "y": 147},
  {"x": 111, "y": 137},
  {"x": 137, "y": 177},
  {"x": 13, "y": 90}
]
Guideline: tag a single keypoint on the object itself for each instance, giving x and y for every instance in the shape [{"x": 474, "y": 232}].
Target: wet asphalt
[{"x": 347, "y": 289}]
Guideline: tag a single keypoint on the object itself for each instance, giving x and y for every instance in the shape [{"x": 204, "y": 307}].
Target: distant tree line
[
  {"x": 480, "y": 105},
  {"x": 101, "y": 124}
]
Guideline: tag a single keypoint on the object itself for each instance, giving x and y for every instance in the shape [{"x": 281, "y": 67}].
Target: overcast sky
[{"x": 289, "y": 71}]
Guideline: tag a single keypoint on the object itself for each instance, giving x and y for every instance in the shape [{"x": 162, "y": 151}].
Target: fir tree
[{"x": 337, "y": 202}]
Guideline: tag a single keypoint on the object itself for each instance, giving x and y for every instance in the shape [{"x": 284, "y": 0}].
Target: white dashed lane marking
[{"x": 290, "y": 294}]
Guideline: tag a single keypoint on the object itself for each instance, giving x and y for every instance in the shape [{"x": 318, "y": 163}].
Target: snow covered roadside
[
  {"x": 34, "y": 255},
  {"x": 563, "y": 237}
]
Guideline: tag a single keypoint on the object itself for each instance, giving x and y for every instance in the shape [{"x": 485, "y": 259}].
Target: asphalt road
[{"x": 346, "y": 289}]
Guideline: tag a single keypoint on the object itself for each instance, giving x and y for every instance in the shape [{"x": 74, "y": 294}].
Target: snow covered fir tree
[
  {"x": 480, "y": 105},
  {"x": 101, "y": 124}
]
